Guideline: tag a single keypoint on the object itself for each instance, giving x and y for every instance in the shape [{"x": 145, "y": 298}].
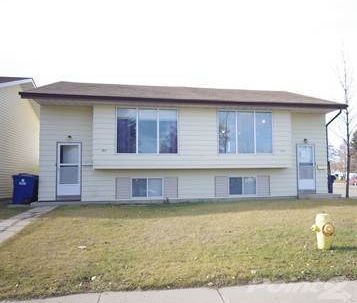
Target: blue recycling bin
[
  {"x": 25, "y": 188},
  {"x": 331, "y": 180}
]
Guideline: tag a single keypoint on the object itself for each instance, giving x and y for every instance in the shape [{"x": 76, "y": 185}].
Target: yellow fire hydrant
[{"x": 325, "y": 231}]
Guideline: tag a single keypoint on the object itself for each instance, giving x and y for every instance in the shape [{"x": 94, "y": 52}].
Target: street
[{"x": 340, "y": 188}]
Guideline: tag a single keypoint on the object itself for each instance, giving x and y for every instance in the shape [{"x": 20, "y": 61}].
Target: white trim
[
  {"x": 178, "y": 129},
  {"x": 17, "y": 82},
  {"x": 68, "y": 189},
  {"x": 136, "y": 131},
  {"x": 236, "y": 122},
  {"x": 313, "y": 162},
  {"x": 255, "y": 133},
  {"x": 158, "y": 130}
]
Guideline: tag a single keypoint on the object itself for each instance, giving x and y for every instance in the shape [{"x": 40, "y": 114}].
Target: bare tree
[{"x": 346, "y": 83}]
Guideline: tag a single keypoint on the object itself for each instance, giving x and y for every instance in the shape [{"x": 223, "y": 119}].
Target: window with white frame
[
  {"x": 245, "y": 132},
  {"x": 146, "y": 130},
  {"x": 146, "y": 188},
  {"x": 242, "y": 186}
]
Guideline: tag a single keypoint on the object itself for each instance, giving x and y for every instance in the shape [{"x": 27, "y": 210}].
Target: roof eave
[
  {"x": 36, "y": 95},
  {"x": 18, "y": 82}
]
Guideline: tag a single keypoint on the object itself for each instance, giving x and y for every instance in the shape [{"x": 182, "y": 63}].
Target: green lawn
[
  {"x": 175, "y": 246},
  {"x": 7, "y": 212}
]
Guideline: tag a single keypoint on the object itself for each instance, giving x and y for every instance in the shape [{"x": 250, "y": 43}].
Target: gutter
[
  {"x": 327, "y": 149},
  {"x": 98, "y": 98}
]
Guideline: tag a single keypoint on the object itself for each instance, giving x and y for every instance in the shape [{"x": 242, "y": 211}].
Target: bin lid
[{"x": 25, "y": 175}]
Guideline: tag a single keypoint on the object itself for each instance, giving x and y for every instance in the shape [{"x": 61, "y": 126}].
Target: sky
[{"x": 270, "y": 45}]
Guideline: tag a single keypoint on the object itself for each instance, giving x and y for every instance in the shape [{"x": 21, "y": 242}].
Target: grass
[
  {"x": 7, "y": 212},
  {"x": 171, "y": 246}
]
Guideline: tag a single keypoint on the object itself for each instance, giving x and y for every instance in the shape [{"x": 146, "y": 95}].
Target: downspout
[{"x": 327, "y": 149}]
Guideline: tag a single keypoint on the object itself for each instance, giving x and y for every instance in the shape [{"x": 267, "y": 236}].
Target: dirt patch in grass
[{"x": 100, "y": 248}]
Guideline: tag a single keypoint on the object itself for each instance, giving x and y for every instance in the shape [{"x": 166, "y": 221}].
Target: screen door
[
  {"x": 69, "y": 170},
  {"x": 306, "y": 167}
]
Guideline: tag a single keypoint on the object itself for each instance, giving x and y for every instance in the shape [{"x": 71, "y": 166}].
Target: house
[
  {"x": 104, "y": 142},
  {"x": 19, "y": 132}
]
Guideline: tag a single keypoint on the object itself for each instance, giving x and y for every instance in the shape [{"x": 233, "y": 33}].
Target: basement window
[
  {"x": 146, "y": 188},
  {"x": 242, "y": 186}
]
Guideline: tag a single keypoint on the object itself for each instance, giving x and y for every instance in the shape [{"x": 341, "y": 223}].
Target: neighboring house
[
  {"x": 103, "y": 142},
  {"x": 19, "y": 132}
]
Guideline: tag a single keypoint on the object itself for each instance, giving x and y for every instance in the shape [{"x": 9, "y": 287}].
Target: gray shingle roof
[{"x": 74, "y": 90}]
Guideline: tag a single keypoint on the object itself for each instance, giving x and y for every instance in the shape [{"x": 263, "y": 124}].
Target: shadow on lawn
[
  {"x": 345, "y": 248},
  {"x": 193, "y": 209}
]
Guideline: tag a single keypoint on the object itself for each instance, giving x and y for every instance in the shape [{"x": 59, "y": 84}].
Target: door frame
[
  {"x": 63, "y": 197},
  {"x": 313, "y": 190}
]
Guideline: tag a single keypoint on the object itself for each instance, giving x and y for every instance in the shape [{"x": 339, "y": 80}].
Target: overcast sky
[{"x": 273, "y": 45}]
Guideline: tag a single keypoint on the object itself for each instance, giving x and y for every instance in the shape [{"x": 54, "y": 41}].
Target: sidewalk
[
  {"x": 13, "y": 225},
  {"x": 306, "y": 292}
]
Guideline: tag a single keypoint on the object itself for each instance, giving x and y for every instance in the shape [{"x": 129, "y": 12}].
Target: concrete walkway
[
  {"x": 11, "y": 226},
  {"x": 306, "y": 292}
]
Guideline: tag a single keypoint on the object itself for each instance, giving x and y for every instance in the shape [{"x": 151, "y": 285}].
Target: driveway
[{"x": 339, "y": 188}]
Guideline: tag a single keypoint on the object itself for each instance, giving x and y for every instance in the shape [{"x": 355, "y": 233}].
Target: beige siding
[
  {"x": 263, "y": 186},
  {"x": 222, "y": 184},
  {"x": 19, "y": 137},
  {"x": 123, "y": 188},
  {"x": 57, "y": 122},
  {"x": 192, "y": 184},
  {"x": 170, "y": 187},
  {"x": 197, "y": 143},
  {"x": 221, "y": 187},
  {"x": 312, "y": 128}
]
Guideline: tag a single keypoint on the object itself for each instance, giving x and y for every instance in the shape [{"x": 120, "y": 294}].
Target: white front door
[
  {"x": 306, "y": 167},
  {"x": 69, "y": 170}
]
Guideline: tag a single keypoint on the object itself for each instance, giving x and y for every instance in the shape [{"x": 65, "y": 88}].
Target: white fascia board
[{"x": 17, "y": 82}]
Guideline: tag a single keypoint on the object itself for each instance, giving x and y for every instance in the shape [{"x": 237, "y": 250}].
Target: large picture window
[
  {"x": 245, "y": 132},
  {"x": 245, "y": 126},
  {"x": 126, "y": 130},
  {"x": 147, "y": 140},
  {"x": 227, "y": 132},
  {"x": 242, "y": 186},
  {"x": 146, "y": 131},
  {"x": 264, "y": 132},
  {"x": 168, "y": 131}
]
